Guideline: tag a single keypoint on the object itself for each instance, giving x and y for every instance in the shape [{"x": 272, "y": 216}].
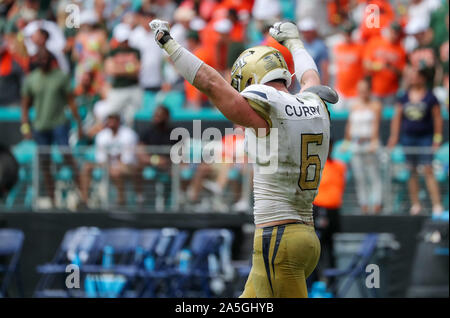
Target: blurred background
[{"x": 87, "y": 105}]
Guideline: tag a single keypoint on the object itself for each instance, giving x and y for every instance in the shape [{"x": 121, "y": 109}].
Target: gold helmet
[{"x": 259, "y": 65}]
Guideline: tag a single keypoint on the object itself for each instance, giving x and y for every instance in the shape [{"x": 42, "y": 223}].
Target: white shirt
[
  {"x": 116, "y": 148},
  {"x": 266, "y": 9},
  {"x": 55, "y": 44},
  {"x": 151, "y": 57},
  {"x": 362, "y": 123}
]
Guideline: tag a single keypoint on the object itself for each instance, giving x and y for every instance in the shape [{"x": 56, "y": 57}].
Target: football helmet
[{"x": 259, "y": 65}]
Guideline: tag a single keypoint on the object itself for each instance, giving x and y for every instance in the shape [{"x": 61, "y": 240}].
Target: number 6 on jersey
[{"x": 307, "y": 160}]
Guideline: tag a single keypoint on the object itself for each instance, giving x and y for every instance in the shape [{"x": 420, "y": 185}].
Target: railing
[{"x": 81, "y": 183}]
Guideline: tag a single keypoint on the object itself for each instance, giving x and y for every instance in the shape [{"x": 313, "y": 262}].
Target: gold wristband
[
  {"x": 129, "y": 67},
  {"x": 25, "y": 128},
  {"x": 437, "y": 138},
  {"x": 154, "y": 160}
]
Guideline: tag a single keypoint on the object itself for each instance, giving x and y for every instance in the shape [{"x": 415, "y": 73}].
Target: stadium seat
[
  {"x": 155, "y": 277},
  {"x": 11, "y": 113},
  {"x": 115, "y": 264},
  {"x": 398, "y": 160},
  {"x": 341, "y": 153},
  {"x": 356, "y": 269},
  {"x": 11, "y": 241},
  {"x": 24, "y": 152},
  {"x": 123, "y": 243},
  {"x": 206, "y": 263},
  {"x": 161, "y": 179},
  {"x": 79, "y": 246},
  {"x": 441, "y": 157},
  {"x": 400, "y": 175}
]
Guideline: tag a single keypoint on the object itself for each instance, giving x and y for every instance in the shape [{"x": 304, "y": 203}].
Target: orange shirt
[
  {"x": 233, "y": 148},
  {"x": 239, "y": 5},
  {"x": 332, "y": 185},
  {"x": 385, "y": 81},
  {"x": 371, "y": 26},
  {"x": 270, "y": 41},
  {"x": 193, "y": 94},
  {"x": 209, "y": 38},
  {"x": 337, "y": 10},
  {"x": 349, "y": 57}
]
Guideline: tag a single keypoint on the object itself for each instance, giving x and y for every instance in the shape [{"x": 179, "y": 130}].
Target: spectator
[
  {"x": 417, "y": 124},
  {"x": 326, "y": 208},
  {"x": 237, "y": 39},
  {"x": 23, "y": 12},
  {"x": 87, "y": 95},
  {"x": 48, "y": 89},
  {"x": 315, "y": 46},
  {"x": 46, "y": 34},
  {"x": 233, "y": 159},
  {"x": 182, "y": 18},
  {"x": 443, "y": 60},
  {"x": 158, "y": 134},
  {"x": 11, "y": 77},
  {"x": 152, "y": 58},
  {"x": 123, "y": 66},
  {"x": 115, "y": 150},
  {"x": 349, "y": 66},
  {"x": 440, "y": 30},
  {"x": 9, "y": 171},
  {"x": 164, "y": 9},
  {"x": 90, "y": 48},
  {"x": 384, "y": 61},
  {"x": 424, "y": 54},
  {"x": 204, "y": 9},
  {"x": 338, "y": 11},
  {"x": 363, "y": 132},
  {"x": 371, "y": 25},
  {"x": 194, "y": 98},
  {"x": 264, "y": 10},
  {"x": 227, "y": 172},
  {"x": 222, "y": 27}
]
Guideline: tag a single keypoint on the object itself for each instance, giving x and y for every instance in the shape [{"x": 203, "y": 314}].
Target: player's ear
[{"x": 249, "y": 82}]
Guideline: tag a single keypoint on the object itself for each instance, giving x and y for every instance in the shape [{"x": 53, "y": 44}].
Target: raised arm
[
  {"x": 286, "y": 33},
  {"x": 206, "y": 79},
  {"x": 227, "y": 99}
]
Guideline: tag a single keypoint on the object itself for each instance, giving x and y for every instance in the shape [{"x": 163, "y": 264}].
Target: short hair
[
  {"x": 164, "y": 108},
  {"x": 146, "y": 13},
  {"x": 368, "y": 81},
  {"x": 44, "y": 33}
]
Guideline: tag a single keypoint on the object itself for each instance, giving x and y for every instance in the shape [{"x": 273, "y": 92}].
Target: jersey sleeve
[{"x": 259, "y": 96}]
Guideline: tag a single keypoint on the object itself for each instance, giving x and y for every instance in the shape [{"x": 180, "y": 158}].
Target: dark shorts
[
  {"x": 57, "y": 136},
  {"x": 421, "y": 157}
]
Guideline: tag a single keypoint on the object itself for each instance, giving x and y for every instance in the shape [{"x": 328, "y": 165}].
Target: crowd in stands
[{"x": 99, "y": 58}]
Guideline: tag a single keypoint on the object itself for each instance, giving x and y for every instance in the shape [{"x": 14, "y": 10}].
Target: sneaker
[
  {"x": 218, "y": 205},
  {"x": 203, "y": 207},
  {"x": 437, "y": 209},
  {"x": 212, "y": 186},
  {"x": 241, "y": 206},
  {"x": 415, "y": 209}
]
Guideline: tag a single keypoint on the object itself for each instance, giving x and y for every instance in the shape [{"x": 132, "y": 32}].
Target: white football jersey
[{"x": 288, "y": 162}]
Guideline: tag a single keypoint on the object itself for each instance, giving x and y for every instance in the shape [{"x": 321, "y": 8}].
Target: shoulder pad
[
  {"x": 258, "y": 98},
  {"x": 257, "y": 92},
  {"x": 324, "y": 92}
]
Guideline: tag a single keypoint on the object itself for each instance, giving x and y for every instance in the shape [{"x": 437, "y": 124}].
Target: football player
[{"x": 286, "y": 248}]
